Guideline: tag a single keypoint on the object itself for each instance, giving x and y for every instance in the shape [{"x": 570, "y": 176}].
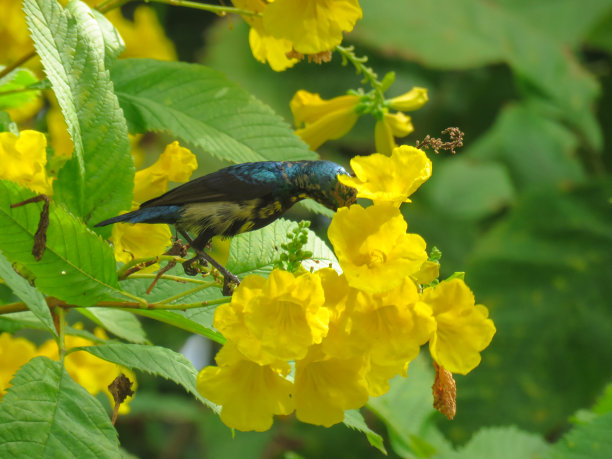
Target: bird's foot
[{"x": 191, "y": 266}]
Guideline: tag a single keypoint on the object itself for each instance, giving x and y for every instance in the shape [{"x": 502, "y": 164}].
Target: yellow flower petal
[
  {"x": 278, "y": 318},
  {"x": 24, "y": 158},
  {"x": 389, "y": 180},
  {"x": 463, "y": 329},
  {"x": 410, "y": 101},
  {"x": 140, "y": 240},
  {"x": 325, "y": 387},
  {"x": 400, "y": 124},
  {"x": 323, "y": 120},
  {"x": 383, "y": 137},
  {"x": 311, "y": 25},
  {"x": 373, "y": 248},
  {"x": 250, "y": 394},
  {"x": 175, "y": 164},
  {"x": 14, "y": 353}
]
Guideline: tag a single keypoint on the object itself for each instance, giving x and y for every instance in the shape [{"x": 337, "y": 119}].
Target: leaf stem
[
  {"x": 22, "y": 60},
  {"x": 220, "y": 10},
  {"x": 189, "y": 292},
  {"x": 20, "y": 307},
  {"x": 122, "y": 272},
  {"x": 183, "y": 280},
  {"x": 60, "y": 316}
]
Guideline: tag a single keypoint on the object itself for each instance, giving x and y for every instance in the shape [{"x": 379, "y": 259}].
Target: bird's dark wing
[{"x": 235, "y": 183}]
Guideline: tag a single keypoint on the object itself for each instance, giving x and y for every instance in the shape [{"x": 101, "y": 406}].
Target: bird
[{"x": 240, "y": 198}]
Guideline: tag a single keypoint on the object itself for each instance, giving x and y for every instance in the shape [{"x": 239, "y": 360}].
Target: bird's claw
[{"x": 190, "y": 266}]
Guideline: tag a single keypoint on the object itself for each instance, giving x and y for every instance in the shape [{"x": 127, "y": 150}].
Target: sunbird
[{"x": 240, "y": 198}]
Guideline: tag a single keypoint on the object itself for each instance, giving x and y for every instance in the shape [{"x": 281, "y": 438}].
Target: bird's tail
[{"x": 157, "y": 214}]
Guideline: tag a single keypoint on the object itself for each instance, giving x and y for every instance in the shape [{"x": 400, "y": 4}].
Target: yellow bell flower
[
  {"x": 410, "y": 101},
  {"x": 275, "y": 318},
  {"x": 175, "y": 164},
  {"x": 24, "y": 158},
  {"x": 320, "y": 120},
  {"x": 462, "y": 328},
  {"x": 394, "y": 324},
  {"x": 389, "y": 180},
  {"x": 373, "y": 248},
  {"x": 249, "y": 394},
  {"x": 312, "y": 26},
  {"x": 131, "y": 241},
  {"x": 14, "y": 353},
  {"x": 265, "y": 47},
  {"x": 325, "y": 387}
]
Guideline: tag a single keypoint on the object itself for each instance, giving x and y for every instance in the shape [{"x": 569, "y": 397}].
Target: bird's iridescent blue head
[{"x": 321, "y": 184}]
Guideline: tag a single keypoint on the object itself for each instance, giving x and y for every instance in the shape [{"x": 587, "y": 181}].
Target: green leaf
[
  {"x": 500, "y": 443},
  {"x": 354, "y": 420},
  {"x": 77, "y": 266},
  {"x": 544, "y": 273},
  {"x": 469, "y": 189},
  {"x": 155, "y": 360},
  {"x": 535, "y": 149},
  {"x": 179, "y": 319},
  {"x": 102, "y": 33},
  {"x": 448, "y": 35},
  {"x": 97, "y": 182},
  {"x": 586, "y": 441},
  {"x": 46, "y": 414},
  {"x": 33, "y": 299},
  {"x": 120, "y": 323},
  {"x": 203, "y": 108},
  {"x": 256, "y": 251},
  {"x": 15, "y": 81},
  {"x": 7, "y": 124},
  {"x": 407, "y": 410}
]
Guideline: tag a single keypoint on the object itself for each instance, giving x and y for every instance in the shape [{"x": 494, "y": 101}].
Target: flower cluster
[
  {"x": 320, "y": 120},
  {"x": 321, "y": 343},
  {"x": 283, "y": 31},
  {"x": 91, "y": 372}
]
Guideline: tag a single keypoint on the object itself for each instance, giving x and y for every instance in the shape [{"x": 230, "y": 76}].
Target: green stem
[
  {"x": 220, "y": 10},
  {"x": 61, "y": 325},
  {"x": 22, "y": 60},
  {"x": 368, "y": 73},
  {"x": 183, "y": 280},
  {"x": 130, "y": 264},
  {"x": 20, "y": 307},
  {"x": 15, "y": 91},
  {"x": 189, "y": 292}
]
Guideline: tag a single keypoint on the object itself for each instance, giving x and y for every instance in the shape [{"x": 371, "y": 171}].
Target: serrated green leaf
[
  {"x": 155, "y": 360},
  {"x": 256, "y": 252},
  {"x": 586, "y": 441},
  {"x": 354, "y": 420},
  {"x": 33, "y": 299},
  {"x": 77, "y": 266},
  {"x": 203, "y": 108},
  {"x": 102, "y": 33},
  {"x": 97, "y": 182},
  {"x": 46, "y": 414},
  {"x": 16, "y": 81},
  {"x": 500, "y": 443},
  {"x": 120, "y": 323}
]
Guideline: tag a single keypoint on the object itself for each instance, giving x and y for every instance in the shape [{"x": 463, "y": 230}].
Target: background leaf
[
  {"x": 120, "y": 323},
  {"x": 203, "y": 108},
  {"x": 97, "y": 182},
  {"x": 47, "y": 414},
  {"x": 17, "y": 79}
]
